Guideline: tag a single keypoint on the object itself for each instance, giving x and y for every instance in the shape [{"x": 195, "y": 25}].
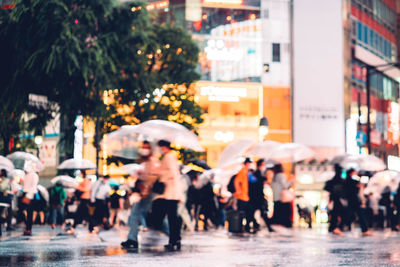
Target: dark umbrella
[{"x": 200, "y": 163}]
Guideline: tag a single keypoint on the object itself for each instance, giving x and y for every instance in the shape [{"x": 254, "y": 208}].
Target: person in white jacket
[
  {"x": 29, "y": 187},
  {"x": 167, "y": 202}
]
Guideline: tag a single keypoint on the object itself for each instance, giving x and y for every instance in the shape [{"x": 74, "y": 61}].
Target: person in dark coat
[
  {"x": 355, "y": 206},
  {"x": 335, "y": 187},
  {"x": 257, "y": 197}
]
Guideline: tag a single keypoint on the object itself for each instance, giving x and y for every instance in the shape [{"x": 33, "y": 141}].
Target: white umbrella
[
  {"x": 383, "y": 179},
  {"x": 6, "y": 164},
  {"x": 77, "y": 164},
  {"x": 361, "y": 162},
  {"x": 23, "y": 159},
  {"x": 65, "y": 180},
  {"x": 171, "y": 131},
  {"x": 371, "y": 163},
  {"x": 291, "y": 152},
  {"x": 132, "y": 168},
  {"x": 223, "y": 176},
  {"x": 43, "y": 191},
  {"x": 263, "y": 150},
  {"x": 233, "y": 153},
  {"x": 123, "y": 142}
]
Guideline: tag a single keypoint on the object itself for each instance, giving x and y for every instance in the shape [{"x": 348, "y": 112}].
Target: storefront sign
[
  {"x": 78, "y": 141},
  {"x": 233, "y": 2},
  {"x": 394, "y": 123},
  {"x": 157, "y": 5}
]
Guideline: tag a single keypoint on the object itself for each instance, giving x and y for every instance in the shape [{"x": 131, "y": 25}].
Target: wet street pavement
[{"x": 300, "y": 247}]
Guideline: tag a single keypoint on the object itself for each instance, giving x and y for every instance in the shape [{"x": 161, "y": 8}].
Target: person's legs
[
  {"x": 29, "y": 218},
  {"x": 133, "y": 221},
  {"x": 53, "y": 216},
  {"x": 362, "y": 220},
  {"x": 174, "y": 227}
]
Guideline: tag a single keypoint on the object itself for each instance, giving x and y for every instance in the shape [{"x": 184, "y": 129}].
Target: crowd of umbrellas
[{"x": 126, "y": 141}]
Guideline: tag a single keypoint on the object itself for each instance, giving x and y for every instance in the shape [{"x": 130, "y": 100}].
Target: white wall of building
[{"x": 275, "y": 16}]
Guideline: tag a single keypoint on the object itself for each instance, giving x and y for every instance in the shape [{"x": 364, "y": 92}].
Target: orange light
[
  {"x": 228, "y": 18},
  {"x": 204, "y": 16},
  {"x": 253, "y": 16}
]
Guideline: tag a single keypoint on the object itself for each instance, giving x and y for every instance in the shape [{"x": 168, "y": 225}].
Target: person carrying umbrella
[
  {"x": 58, "y": 195},
  {"x": 241, "y": 183},
  {"x": 167, "y": 202},
  {"x": 5, "y": 201},
  {"x": 99, "y": 193},
  {"x": 335, "y": 187},
  {"x": 83, "y": 194},
  {"x": 148, "y": 176},
  {"x": 29, "y": 188},
  {"x": 352, "y": 188},
  {"x": 257, "y": 197}
]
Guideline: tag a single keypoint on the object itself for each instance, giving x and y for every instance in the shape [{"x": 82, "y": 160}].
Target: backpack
[
  {"x": 55, "y": 196},
  {"x": 231, "y": 186}
]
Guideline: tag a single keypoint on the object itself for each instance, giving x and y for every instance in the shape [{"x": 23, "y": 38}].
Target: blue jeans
[
  {"x": 57, "y": 210},
  {"x": 138, "y": 216}
]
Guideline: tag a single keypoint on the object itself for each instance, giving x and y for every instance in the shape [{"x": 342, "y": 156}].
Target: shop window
[{"x": 276, "y": 52}]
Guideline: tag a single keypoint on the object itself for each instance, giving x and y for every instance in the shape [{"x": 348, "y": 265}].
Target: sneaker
[{"x": 129, "y": 244}]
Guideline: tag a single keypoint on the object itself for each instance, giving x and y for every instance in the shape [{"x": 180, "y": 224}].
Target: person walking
[
  {"x": 5, "y": 201},
  {"x": 83, "y": 194},
  {"x": 148, "y": 175},
  {"x": 335, "y": 187},
  {"x": 355, "y": 205},
  {"x": 167, "y": 202},
  {"x": 282, "y": 210},
  {"x": 99, "y": 193},
  {"x": 29, "y": 188},
  {"x": 58, "y": 195},
  {"x": 115, "y": 206},
  {"x": 241, "y": 183},
  {"x": 257, "y": 197}
]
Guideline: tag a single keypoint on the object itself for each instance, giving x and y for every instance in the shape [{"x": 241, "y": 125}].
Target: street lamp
[
  {"x": 371, "y": 69},
  {"x": 263, "y": 128}
]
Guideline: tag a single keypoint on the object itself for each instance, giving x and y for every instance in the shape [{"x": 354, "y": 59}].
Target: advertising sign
[{"x": 318, "y": 73}]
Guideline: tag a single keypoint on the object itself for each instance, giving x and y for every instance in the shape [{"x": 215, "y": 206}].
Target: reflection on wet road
[{"x": 214, "y": 248}]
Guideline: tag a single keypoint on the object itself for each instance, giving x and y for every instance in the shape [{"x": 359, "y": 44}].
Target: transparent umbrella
[
  {"x": 6, "y": 164},
  {"x": 263, "y": 150},
  {"x": 65, "y": 180},
  {"x": 132, "y": 168},
  {"x": 360, "y": 162},
  {"x": 22, "y": 159},
  {"x": 233, "y": 154},
  {"x": 383, "y": 179},
  {"x": 291, "y": 152},
  {"x": 77, "y": 164},
  {"x": 123, "y": 142},
  {"x": 171, "y": 131},
  {"x": 43, "y": 191}
]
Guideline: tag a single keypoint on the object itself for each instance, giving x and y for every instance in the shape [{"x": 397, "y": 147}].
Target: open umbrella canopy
[
  {"x": 77, "y": 164},
  {"x": 263, "y": 150},
  {"x": 43, "y": 191},
  {"x": 123, "y": 142},
  {"x": 131, "y": 168},
  {"x": 171, "y": 131},
  {"x": 233, "y": 154},
  {"x": 6, "y": 164},
  {"x": 359, "y": 162},
  {"x": 198, "y": 165},
  {"x": 383, "y": 179},
  {"x": 22, "y": 160},
  {"x": 291, "y": 152},
  {"x": 66, "y": 181}
]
